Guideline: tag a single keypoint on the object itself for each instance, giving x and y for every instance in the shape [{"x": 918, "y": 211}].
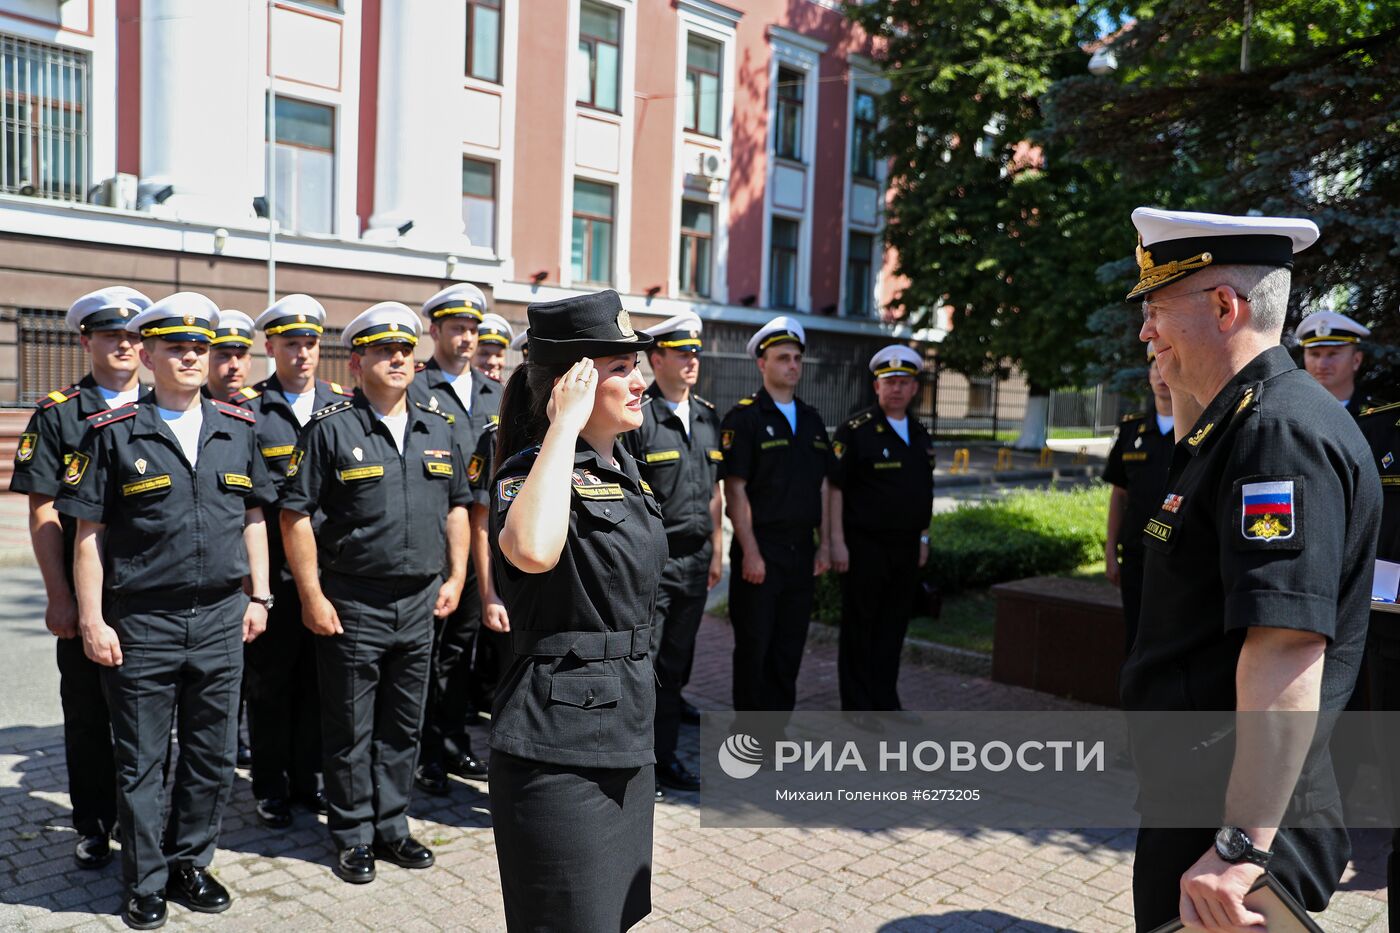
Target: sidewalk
[{"x": 723, "y": 880}]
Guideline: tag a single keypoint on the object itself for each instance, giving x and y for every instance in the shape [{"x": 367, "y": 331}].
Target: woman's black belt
[{"x": 586, "y": 646}]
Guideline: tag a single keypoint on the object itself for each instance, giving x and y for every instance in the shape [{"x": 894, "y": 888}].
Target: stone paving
[{"x": 729, "y": 880}]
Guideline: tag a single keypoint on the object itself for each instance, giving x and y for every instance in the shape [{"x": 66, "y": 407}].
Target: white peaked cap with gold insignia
[
  {"x": 184, "y": 317},
  {"x": 896, "y": 360},
  {"x": 110, "y": 308},
  {"x": 1330, "y": 329},
  {"x": 495, "y": 330},
  {"x": 386, "y": 322},
  {"x": 293, "y": 316},
  {"x": 235, "y": 329},
  {"x": 681, "y": 332},
  {"x": 1173, "y": 244},
  {"x": 460, "y": 300},
  {"x": 782, "y": 329}
]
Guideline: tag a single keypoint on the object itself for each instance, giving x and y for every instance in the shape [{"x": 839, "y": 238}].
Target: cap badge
[
  {"x": 358, "y": 453},
  {"x": 124, "y": 312},
  {"x": 141, "y": 465},
  {"x": 624, "y": 323},
  {"x": 393, "y": 326},
  {"x": 189, "y": 320},
  {"x": 301, "y": 319},
  {"x": 1324, "y": 330}
]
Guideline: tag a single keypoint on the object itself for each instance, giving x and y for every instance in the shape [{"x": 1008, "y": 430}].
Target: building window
[
  {"x": 792, "y": 86},
  {"x": 599, "y": 62},
  {"x": 304, "y": 166},
  {"x": 702, "y": 85},
  {"x": 484, "y": 40},
  {"x": 863, "y": 136},
  {"x": 697, "y": 239},
  {"x": 782, "y": 264},
  {"x": 45, "y": 94},
  {"x": 479, "y": 202},
  {"x": 860, "y": 282},
  {"x": 592, "y": 253}
]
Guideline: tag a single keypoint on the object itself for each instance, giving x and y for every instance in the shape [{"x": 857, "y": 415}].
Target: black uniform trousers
[
  {"x": 877, "y": 599},
  {"x": 87, "y": 740},
  {"x": 680, "y": 605},
  {"x": 1130, "y": 587},
  {"x": 182, "y": 660},
  {"x": 1164, "y": 855},
  {"x": 573, "y": 844},
  {"x": 284, "y": 704},
  {"x": 374, "y": 683},
  {"x": 770, "y": 620},
  {"x": 451, "y": 689},
  {"x": 1383, "y": 677}
]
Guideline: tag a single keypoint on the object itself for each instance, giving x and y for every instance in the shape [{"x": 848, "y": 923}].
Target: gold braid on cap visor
[
  {"x": 1152, "y": 275},
  {"x": 235, "y": 336},
  {"x": 685, "y": 343},
  {"x": 492, "y": 336},
  {"x": 390, "y": 332},
  {"x": 282, "y": 328},
  {"x": 1329, "y": 340},
  {"x": 897, "y": 369},
  {"x": 786, "y": 335},
  {"x": 464, "y": 308},
  {"x": 181, "y": 328}
]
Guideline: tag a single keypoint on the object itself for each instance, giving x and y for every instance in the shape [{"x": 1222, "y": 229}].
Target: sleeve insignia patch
[
  {"x": 474, "y": 466},
  {"x": 295, "y": 463},
  {"x": 726, "y": 439},
  {"x": 76, "y": 468},
  {"x": 1268, "y": 511},
  {"x": 27, "y": 443},
  {"x": 508, "y": 489}
]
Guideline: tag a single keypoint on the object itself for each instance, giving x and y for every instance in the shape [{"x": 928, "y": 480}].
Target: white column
[
  {"x": 196, "y": 78},
  {"x": 418, "y": 152}
]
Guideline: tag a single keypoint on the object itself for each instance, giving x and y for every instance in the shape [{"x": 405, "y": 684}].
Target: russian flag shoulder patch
[{"x": 1267, "y": 513}]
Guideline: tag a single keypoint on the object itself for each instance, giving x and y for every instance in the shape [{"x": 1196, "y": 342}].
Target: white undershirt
[
  {"x": 397, "y": 425},
  {"x": 900, "y": 426},
  {"x": 1166, "y": 423},
  {"x": 461, "y": 386},
  {"x": 185, "y": 425},
  {"x": 789, "y": 410},
  {"x": 303, "y": 404},
  {"x": 118, "y": 399},
  {"x": 682, "y": 410}
]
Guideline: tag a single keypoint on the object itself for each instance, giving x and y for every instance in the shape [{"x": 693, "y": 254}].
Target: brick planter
[{"x": 1063, "y": 637}]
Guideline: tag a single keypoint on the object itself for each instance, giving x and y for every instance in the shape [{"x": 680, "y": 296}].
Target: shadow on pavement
[{"x": 972, "y": 921}]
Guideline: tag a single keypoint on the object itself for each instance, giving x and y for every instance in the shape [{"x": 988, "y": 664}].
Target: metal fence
[{"x": 50, "y": 356}]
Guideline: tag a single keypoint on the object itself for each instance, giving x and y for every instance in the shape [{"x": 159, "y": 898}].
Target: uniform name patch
[
  {"x": 603, "y": 491},
  {"x": 1158, "y": 530},
  {"x": 1135, "y": 455},
  {"x": 238, "y": 479},
  {"x": 717, "y": 456},
  {"x": 663, "y": 456},
  {"x": 820, "y": 445},
  {"x": 282, "y": 450},
  {"x": 776, "y": 442},
  {"x": 646, "y": 488},
  {"x": 27, "y": 443},
  {"x": 888, "y": 465},
  {"x": 148, "y": 485},
  {"x": 76, "y": 468},
  {"x": 355, "y": 473},
  {"x": 437, "y": 467},
  {"x": 474, "y": 466},
  {"x": 1268, "y": 511}
]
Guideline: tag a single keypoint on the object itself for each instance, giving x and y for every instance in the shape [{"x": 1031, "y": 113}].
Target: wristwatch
[
  {"x": 264, "y": 601},
  {"x": 1232, "y": 845}
]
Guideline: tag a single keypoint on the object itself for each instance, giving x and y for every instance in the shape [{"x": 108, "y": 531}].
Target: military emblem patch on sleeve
[
  {"x": 1267, "y": 511},
  {"x": 726, "y": 439},
  {"x": 294, "y": 464},
  {"x": 839, "y": 449},
  {"x": 474, "y": 466},
  {"x": 76, "y": 468},
  {"x": 27, "y": 443},
  {"x": 508, "y": 489}
]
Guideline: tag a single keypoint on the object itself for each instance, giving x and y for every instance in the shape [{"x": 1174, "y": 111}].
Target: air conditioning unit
[
  {"x": 118, "y": 191},
  {"x": 713, "y": 165}
]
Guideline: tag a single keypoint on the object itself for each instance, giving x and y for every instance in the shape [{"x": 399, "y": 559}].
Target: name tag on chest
[
  {"x": 359, "y": 473},
  {"x": 146, "y": 485}
]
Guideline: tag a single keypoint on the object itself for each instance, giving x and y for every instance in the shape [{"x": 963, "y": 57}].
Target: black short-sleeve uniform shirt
[
  {"x": 581, "y": 690},
  {"x": 277, "y": 429},
  {"x": 681, "y": 464},
  {"x": 1138, "y": 462},
  {"x": 385, "y": 512},
  {"x": 783, "y": 470},
  {"x": 170, "y": 529},
  {"x": 48, "y": 443},
  {"x": 886, "y": 484},
  {"x": 1381, "y": 428},
  {"x": 431, "y": 389},
  {"x": 481, "y": 466},
  {"x": 1270, "y": 518}
]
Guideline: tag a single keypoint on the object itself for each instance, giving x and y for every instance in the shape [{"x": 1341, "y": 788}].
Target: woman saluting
[{"x": 577, "y": 548}]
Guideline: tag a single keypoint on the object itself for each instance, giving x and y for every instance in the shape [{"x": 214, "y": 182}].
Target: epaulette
[
  {"x": 59, "y": 396},
  {"x": 704, "y": 401},
  {"x": 434, "y": 411},
  {"x": 746, "y": 401},
  {"x": 419, "y": 367},
  {"x": 525, "y": 454},
  {"x": 248, "y": 393},
  {"x": 104, "y": 418},
  {"x": 233, "y": 411},
  {"x": 332, "y": 409},
  {"x": 1134, "y": 416},
  {"x": 339, "y": 389},
  {"x": 859, "y": 419},
  {"x": 1379, "y": 408}
]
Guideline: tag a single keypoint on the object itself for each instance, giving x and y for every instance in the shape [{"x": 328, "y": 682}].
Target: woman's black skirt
[{"x": 573, "y": 844}]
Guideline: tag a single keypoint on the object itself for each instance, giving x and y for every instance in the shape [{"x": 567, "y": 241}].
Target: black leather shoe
[
  {"x": 690, "y": 715},
  {"x": 677, "y": 776},
  {"x": 466, "y": 766},
  {"x": 198, "y": 890},
  {"x": 144, "y": 911},
  {"x": 275, "y": 812},
  {"x": 405, "y": 853},
  {"x": 432, "y": 779},
  {"x": 355, "y": 865},
  {"x": 92, "y": 852},
  {"x": 245, "y": 756},
  {"x": 316, "y": 802}
]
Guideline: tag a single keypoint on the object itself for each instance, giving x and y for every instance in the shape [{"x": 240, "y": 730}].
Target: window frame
[
  {"x": 867, "y": 306},
  {"x": 785, "y": 97},
  {"x": 691, "y": 121},
  {"x": 593, "y": 42},
  {"x": 494, "y": 201},
  {"x": 794, "y": 253},
  {"x": 695, "y": 238},
  {"x": 32, "y": 123},
  {"x": 591, "y": 220},
  {"x": 295, "y": 227},
  {"x": 871, "y": 128},
  {"x": 499, "y": 7}
]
